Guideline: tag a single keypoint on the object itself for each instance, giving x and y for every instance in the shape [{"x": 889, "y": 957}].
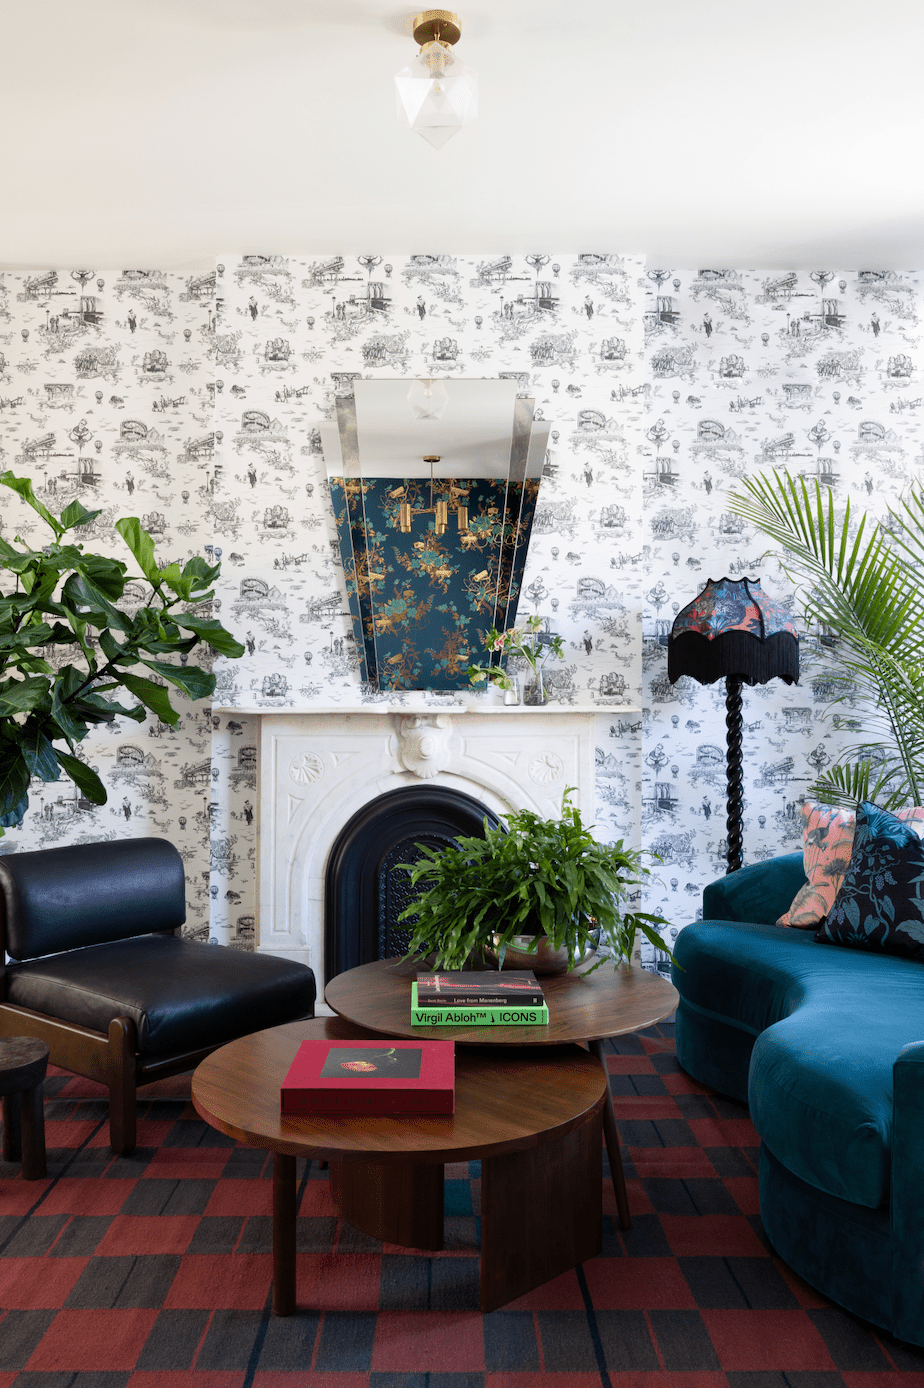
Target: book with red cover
[{"x": 383, "y": 1076}]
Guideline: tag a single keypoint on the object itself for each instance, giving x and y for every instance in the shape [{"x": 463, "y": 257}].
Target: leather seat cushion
[{"x": 181, "y": 995}]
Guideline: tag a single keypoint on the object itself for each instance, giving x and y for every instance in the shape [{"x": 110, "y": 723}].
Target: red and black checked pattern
[{"x": 153, "y": 1271}]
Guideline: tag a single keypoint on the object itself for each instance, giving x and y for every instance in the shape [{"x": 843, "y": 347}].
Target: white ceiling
[{"x": 703, "y": 133}]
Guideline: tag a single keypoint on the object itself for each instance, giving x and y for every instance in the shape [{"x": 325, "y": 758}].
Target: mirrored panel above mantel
[{"x": 434, "y": 485}]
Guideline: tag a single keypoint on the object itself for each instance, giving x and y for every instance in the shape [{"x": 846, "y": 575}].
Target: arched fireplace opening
[{"x": 365, "y": 892}]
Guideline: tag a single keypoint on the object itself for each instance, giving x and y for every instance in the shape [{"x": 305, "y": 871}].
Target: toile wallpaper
[
  {"x": 817, "y": 372},
  {"x": 194, "y": 403}
]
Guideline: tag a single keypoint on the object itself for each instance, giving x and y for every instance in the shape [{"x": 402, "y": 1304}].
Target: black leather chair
[{"x": 98, "y": 973}]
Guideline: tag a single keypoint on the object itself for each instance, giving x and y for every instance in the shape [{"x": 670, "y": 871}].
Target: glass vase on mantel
[
  {"x": 528, "y": 646},
  {"x": 535, "y": 693}
]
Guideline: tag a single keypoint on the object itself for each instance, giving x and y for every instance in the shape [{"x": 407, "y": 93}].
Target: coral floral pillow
[{"x": 827, "y": 844}]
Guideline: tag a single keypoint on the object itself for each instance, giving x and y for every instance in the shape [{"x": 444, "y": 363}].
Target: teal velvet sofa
[{"x": 826, "y": 1047}]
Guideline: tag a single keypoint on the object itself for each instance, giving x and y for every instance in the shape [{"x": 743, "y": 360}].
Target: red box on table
[{"x": 372, "y": 1077}]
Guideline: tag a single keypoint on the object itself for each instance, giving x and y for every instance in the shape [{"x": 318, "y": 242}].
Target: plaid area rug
[{"x": 153, "y": 1271}]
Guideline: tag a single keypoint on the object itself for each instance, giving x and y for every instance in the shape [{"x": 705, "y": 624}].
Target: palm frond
[
  {"x": 909, "y": 534},
  {"x": 849, "y": 782},
  {"x": 866, "y": 590},
  {"x": 853, "y": 587}
]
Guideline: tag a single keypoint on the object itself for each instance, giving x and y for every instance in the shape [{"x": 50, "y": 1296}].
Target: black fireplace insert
[{"x": 365, "y": 890}]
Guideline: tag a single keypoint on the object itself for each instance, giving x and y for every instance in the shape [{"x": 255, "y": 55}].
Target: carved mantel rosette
[{"x": 423, "y": 743}]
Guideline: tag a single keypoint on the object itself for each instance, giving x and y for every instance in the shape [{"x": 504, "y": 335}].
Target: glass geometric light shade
[
  {"x": 437, "y": 94},
  {"x": 428, "y": 399}
]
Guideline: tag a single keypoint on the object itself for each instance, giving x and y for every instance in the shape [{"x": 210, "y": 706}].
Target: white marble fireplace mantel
[{"x": 318, "y": 767}]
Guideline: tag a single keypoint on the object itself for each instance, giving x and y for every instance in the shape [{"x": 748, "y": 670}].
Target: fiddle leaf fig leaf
[
  {"x": 99, "y": 610},
  {"x": 66, "y": 718},
  {"x": 84, "y": 778},
  {"x": 153, "y": 696},
  {"x": 176, "y": 582},
  {"x": 10, "y": 818},
  {"x": 18, "y": 696},
  {"x": 141, "y": 546},
  {"x": 200, "y": 575},
  {"x": 38, "y": 753},
  {"x": 108, "y": 575},
  {"x": 14, "y": 784},
  {"x": 23, "y": 487},
  {"x": 198, "y": 684},
  {"x": 213, "y": 633},
  {"x": 77, "y": 514}
]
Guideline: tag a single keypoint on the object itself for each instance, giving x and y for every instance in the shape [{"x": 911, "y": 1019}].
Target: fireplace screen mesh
[
  {"x": 396, "y": 893},
  {"x": 366, "y": 889}
]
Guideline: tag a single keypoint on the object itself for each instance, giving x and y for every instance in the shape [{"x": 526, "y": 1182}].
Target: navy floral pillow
[{"x": 880, "y": 905}]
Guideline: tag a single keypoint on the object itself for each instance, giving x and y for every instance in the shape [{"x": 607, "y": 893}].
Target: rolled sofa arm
[
  {"x": 907, "y": 1208},
  {"x": 760, "y": 893}
]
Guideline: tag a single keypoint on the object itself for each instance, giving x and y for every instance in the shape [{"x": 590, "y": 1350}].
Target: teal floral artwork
[
  {"x": 880, "y": 906},
  {"x": 421, "y": 602}
]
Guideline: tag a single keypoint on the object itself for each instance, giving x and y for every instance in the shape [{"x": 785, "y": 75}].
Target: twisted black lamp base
[{"x": 733, "y": 772}]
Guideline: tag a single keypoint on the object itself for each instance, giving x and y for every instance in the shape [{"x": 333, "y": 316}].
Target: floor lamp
[{"x": 732, "y": 629}]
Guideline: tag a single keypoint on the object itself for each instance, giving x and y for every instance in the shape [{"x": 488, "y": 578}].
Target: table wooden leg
[
  {"x": 34, "y": 1162},
  {"x": 284, "y": 1211},
  {"x": 541, "y": 1213},
  {"x": 397, "y": 1204},
  {"x": 12, "y": 1128},
  {"x": 611, "y": 1135}
]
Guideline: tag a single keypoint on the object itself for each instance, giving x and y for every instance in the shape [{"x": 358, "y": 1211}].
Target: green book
[{"x": 509, "y": 1015}]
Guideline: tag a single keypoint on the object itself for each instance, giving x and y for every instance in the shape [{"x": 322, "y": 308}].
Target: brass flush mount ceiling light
[{"x": 437, "y": 94}]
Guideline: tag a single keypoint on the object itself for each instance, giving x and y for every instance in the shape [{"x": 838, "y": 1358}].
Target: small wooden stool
[{"x": 23, "y": 1062}]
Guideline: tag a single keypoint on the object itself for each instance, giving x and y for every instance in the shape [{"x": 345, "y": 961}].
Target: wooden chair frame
[{"x": 110, "y": 1059}]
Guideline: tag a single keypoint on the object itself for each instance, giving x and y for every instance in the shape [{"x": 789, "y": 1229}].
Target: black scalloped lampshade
[{"x": 732, "y": 629}]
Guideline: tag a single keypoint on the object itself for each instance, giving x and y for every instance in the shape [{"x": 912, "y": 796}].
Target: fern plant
[
  {"x": 867, "y": 593},
  {"x": 540, "y": 877}
]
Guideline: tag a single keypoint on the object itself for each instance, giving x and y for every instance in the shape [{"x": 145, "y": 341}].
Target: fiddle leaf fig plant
[
  {"x": 62, "y": 598},
  {"x": 540, "y": 877}
]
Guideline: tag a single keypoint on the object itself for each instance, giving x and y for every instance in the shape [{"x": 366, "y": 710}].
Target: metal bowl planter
[{"x": 536, "y": 952}]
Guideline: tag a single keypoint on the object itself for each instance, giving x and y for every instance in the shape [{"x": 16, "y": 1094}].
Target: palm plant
[{"x": 867, "y": 593}]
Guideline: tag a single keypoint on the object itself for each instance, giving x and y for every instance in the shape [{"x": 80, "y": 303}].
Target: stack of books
[{"x": 473, "y": 999}]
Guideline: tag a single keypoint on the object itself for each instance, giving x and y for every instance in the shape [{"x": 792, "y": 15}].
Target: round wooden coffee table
[
  {"x": 532, "y": 1118},
  {"x": 584, "y": 1007}
]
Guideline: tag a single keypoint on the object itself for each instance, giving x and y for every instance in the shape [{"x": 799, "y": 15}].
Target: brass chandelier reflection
[
  {"x": 439, "y": 510},
  {"x": 402, "y": 456}
]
